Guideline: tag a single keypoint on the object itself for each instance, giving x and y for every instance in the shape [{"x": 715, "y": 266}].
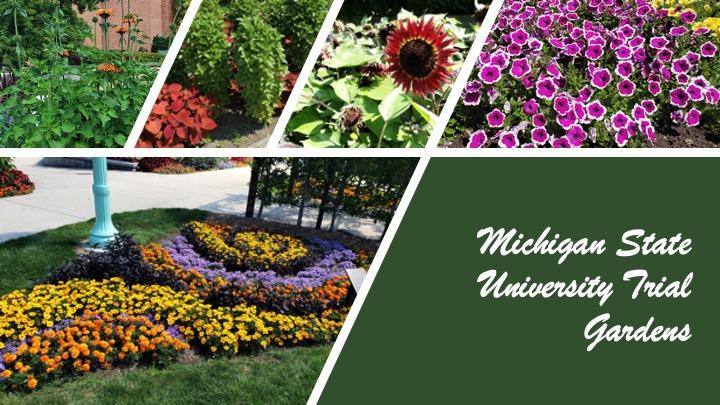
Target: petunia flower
[
  {"x": 539, "y": 136},
  {"x": 495, "y": 118},
  {"x": 679, "y": 97},
  {"x": 692, "y": 118},
  {"x": 477, "y": 140},
  {"x": 508, "y": 140}
]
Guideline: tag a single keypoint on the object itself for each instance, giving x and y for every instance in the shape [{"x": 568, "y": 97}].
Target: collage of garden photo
[{"x": 224, "y": 271}]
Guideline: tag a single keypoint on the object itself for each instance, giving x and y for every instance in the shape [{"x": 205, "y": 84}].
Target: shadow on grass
[
  {"x": 280, "y": 376},
  {"x": 27, "y": 259}
]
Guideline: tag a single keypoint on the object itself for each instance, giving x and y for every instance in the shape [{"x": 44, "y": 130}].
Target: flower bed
[
  {"x": 380, "y": 82},
  {"x": 147, "y": 304},
  {"x": 577, "y": 74},
  {"x": 13, "y": 181}
]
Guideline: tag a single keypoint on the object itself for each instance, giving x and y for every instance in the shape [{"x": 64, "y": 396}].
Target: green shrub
[
  {"x": 299, "y": 21},
  {"x": 34, "y": 27},
  {"x": 203, "y": 164},
  {"x": 237, "y": 9},
  {"x": 261, "y": 63},
  {"x": 356, "y": 9},
  {"x": 57, "y": 106},
  {"x": 203, "y": 61},
  {"x": 160, "y": 44}
]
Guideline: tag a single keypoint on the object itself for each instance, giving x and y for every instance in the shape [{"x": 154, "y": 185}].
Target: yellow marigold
[{"x": 108, "y": 68}]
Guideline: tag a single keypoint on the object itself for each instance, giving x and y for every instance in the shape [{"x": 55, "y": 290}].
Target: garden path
[{"x": 64, "y": 196}]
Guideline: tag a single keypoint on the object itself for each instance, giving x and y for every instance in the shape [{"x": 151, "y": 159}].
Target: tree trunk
[
  {"x": 326, "y": 193},
  {"x": 252, "y": 193},
  {"x": 338, "y": 202},
  {"x": 303, "y": 194}
]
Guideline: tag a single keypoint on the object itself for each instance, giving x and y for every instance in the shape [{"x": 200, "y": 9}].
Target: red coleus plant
[{"x": 180, "y": 118}]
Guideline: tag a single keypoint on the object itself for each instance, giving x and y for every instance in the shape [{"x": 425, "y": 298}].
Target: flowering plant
[
  {"x": 14, "y": 182},
  {"x": 380, "y": 83},
  {"x": 596, "y": 73},
  {"x": 88, "y": 343}
]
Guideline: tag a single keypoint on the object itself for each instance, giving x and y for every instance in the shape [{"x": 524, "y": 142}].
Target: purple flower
[
  {"x": 712, "y": 96},
  {"x": 539, "y": 135},
  {"x": 679, "y": 97},
  {"x": 567, "y": 120},
  {"x": 545, "y": 89},
  {"x": 530, "y": 107},
  {"x": 658, "y": 42},
  {"x": 626, "y": 88},
  {"x": 576, "y": 135},
  {"x": 471, "y": 98},
  {"x": 508, "y": 140},
  {"x": 654, "y": 88},
  {"x": 664, "y": 55},
  {"x": 561, "y": 105},
  {"x": 688, "y": 17},
  {"x": 680, "y": 66},
  {"x": 638, "y": 112},
  {"x": 708, "y": 49},
  {"x": 623, "y": 52},
  {"x": 624, "y": 69},
  {"x": 676, "y": 116},
  {"x": 478, "y": 140},
  {"x": 619, "y": 120},
  {"x": 539, "y": 120},
  {"x": 519, "y": 36},
  {"x": 490, "y": 74},
  {"x": 678, "y": 31},
  {"x": 695, "y": 92},
  {"x": 495, "y": 118},
  {"x": 596, "y": 110},
  {"x": 594, "y": 52},
  {"x": 692, "y": 118},
  {"x": 601, "y": 78},
  {"x": 561, "y": 142},
  {"x": 649, "y": 106},
  {"x": 519, "y": 68},
  {"x": 621, "y": 137}
]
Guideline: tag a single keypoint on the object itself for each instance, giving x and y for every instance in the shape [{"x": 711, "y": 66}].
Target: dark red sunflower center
[{"x": 418, "y": 58}]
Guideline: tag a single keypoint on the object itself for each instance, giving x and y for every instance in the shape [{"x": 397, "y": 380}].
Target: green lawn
[
  {"x": 275, "y": 377},
  {"x": 25, "y": 260}
]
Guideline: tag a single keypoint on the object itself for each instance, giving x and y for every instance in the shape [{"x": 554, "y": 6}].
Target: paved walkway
[{"x": 64, "y": 196}]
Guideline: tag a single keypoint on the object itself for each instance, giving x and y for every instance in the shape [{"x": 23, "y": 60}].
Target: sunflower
[{"x": 418, "y": 54}]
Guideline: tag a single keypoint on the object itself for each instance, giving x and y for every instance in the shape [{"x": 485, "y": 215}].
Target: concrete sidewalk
[{"x": 64, "y": 196}]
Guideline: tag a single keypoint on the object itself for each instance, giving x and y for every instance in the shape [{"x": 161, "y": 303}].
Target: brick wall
[{"x": 157, "y": 15}]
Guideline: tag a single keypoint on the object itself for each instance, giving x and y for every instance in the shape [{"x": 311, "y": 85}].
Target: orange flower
[
  {"x": 32, "y": 382},
  {"x": 122, "y": 30},
  {"x": 104, "y": 13},
  {"x": 108, "y": 68}
]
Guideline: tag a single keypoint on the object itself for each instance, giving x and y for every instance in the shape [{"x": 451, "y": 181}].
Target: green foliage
[
  {"x": 364, "y": 188},
  {"x": 237, "y": 9},
  {"x": 38, "y": 27},
  {"x": 203, "y": 61},
  {"x": 355, "y": 9},
  {"x": 160, "y": 44},
  {"x": 299, "y": 21},
  {"x": 261, "y": 66},
  {"x": 203, "y": 164},
  {"x": 55, "y": 105},
  {"x": 6, "y": 164}
]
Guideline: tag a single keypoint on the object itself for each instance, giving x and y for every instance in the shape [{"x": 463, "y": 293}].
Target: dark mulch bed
[
  {"x": 684, "y": 137},
  {"x": 351, "y": 241}
]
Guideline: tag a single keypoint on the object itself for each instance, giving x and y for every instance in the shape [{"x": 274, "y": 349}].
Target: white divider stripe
[
  {"x": 305, "y": 73},
  {"x": 465, "y": 73},
  {"x": 163, "y": 73}
]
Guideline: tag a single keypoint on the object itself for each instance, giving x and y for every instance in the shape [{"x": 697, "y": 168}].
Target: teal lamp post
[{"x": 104, "y": 231}]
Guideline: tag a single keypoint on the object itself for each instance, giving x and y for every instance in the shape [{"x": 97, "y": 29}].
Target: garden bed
[
  {"x": 238, "y": 65},
  {"x": 217, "y": 287},
  {"x": 631, "y": 74},
  {"x": 382, "y": 79},
  {"x": 13, "y": 182},
  {"x": 56, "y": 92}
]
